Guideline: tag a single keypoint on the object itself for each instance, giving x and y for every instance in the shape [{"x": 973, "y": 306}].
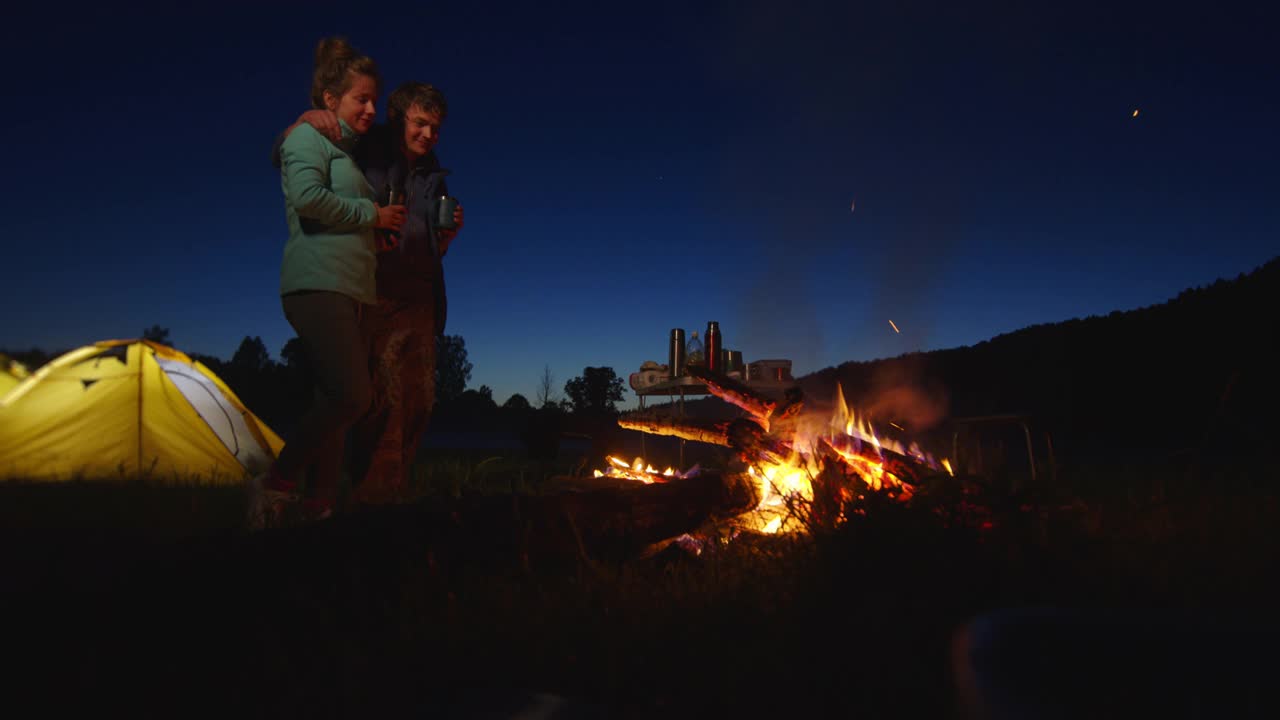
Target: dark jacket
[{"x": 413, "y": 271}]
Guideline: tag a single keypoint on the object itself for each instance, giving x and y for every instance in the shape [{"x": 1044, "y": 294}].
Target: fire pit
[{"x": 801, "y": 464}]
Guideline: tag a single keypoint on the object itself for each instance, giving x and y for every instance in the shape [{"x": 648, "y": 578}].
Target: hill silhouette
[{"x": 1196, "y": 373}]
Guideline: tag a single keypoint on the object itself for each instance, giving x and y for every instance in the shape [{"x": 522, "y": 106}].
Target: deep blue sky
[{"x": 654, "y": 165}]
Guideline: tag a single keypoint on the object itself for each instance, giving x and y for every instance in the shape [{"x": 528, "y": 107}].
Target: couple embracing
[{"x": 362, "y": 281}]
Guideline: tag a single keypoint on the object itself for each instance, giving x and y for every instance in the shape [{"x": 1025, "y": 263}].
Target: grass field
[{"x": 156, "y": 600}]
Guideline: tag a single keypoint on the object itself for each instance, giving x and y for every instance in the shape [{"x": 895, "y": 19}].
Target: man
[{"x": 411, "y": 309}]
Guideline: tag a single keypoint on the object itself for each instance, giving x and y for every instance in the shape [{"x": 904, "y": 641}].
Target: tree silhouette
[
  {"x": 517, "y": 402},
  {"x": 252, "y": 355},
  {"x": 292, "y": 384},
  {"x": 34, "y": 358},
  {"x": 157, "y": 334},
  {"x": 452, "y": 369},
  {"x": 17, "y": 370},
  {"x": 294, "y": 354},
  {"x": 546, "y": 387},
  {"x": 596, "y": 392}
]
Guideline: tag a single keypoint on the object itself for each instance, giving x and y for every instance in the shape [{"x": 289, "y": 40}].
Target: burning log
[
  {"x": 905, "y": 468},
  {"x": 622, "y": 521},
  {"x": 752, "y": 441},
  {"x": 596, "y": 519},
  {"x": 599, "y": 519},
  {"x": 712, "y": 433},
  {"x": 792, "y": 405}
]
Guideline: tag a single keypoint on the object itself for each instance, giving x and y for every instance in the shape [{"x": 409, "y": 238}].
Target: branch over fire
[
  {"x": 712, "y": 433},
  {"x": 735, "y": 393}
]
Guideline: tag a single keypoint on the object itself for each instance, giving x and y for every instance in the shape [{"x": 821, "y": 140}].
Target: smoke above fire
[
  {"x": 900, "y": 388},
  {"x": 915, "y": 405},
  {"x": 888, "y": 394},
  {"x": 772, "y": 329}
]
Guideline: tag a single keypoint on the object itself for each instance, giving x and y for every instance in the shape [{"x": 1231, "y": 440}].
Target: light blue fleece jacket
[{"x": 330, "y": 211}]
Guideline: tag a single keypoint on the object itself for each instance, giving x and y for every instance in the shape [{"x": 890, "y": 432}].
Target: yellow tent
[
  {"x": 130, "y": 409},
  {"x": 11, "y": 373}
]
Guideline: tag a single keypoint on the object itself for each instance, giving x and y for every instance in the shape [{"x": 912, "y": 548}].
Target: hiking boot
[
  {"x": 374, "y": 492},
  {"x": 315, "y": 509},
  {"x": 278, "y": 488},
  {"x": 267, "y": 492},
  {"x": 255, "y": 512}
]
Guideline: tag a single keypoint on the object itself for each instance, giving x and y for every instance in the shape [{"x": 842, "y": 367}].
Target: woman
[{"x": 328, "y": 274}]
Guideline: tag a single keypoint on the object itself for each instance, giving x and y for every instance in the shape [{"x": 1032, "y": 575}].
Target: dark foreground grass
[{"x": 371, "y": 616}]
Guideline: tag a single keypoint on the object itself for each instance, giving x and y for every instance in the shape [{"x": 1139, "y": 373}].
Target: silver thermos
[{"x": 675, "y": 353}]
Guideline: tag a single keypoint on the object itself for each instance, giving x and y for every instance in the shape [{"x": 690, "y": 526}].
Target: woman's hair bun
[{"x": 333, "y": 50}]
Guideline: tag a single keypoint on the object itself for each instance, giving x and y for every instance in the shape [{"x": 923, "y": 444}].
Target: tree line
[
  {"x": 279, "y": 392},
  {"x": 1194, "y": 374}
]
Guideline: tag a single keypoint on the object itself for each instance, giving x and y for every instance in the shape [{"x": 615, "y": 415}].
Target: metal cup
[
  {"x": 444, "y": 212},
  {"x": 391, "y": 195},
  {"x": 733, "y": 361}
]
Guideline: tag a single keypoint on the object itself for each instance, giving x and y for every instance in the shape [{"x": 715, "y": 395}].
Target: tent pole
[{"x": 141, "y": 349}]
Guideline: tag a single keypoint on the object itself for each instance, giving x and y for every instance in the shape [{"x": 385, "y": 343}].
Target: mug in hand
[
  {"x": 392, "y": 195},
  {"x": 444, "y": 214}
]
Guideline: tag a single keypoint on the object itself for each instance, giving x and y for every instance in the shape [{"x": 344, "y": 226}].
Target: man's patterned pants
[{"x": 402, "y": 360}]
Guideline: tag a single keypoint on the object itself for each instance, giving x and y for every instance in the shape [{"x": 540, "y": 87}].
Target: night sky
[{"x": 656, "y": 165}]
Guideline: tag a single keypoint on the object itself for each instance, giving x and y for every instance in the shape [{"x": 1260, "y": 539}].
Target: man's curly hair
[{"x": 409, "y": 94}]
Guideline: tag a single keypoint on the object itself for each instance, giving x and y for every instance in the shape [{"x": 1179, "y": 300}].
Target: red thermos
[{"x": 715, "y": 359}]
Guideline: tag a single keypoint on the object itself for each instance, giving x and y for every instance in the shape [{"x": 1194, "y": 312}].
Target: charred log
[
  {"x": 618, "y": 521},
  {"x": 713, "y": 433},
  {"x": 831, "y": 490},
  {"x": 791, "y": 405},
  {"x": 622, "y": 522},
  {"x": 751, "y": 441},
  {"x": 611, "y": 521}
]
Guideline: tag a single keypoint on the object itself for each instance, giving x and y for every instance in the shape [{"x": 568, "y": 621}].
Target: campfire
[{"x": 801, "y": 464}]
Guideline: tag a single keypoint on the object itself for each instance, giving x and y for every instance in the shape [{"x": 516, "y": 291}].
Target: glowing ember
[
  {"x": 782, "y": 487},
  {"x": 641, "y": 471}
]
